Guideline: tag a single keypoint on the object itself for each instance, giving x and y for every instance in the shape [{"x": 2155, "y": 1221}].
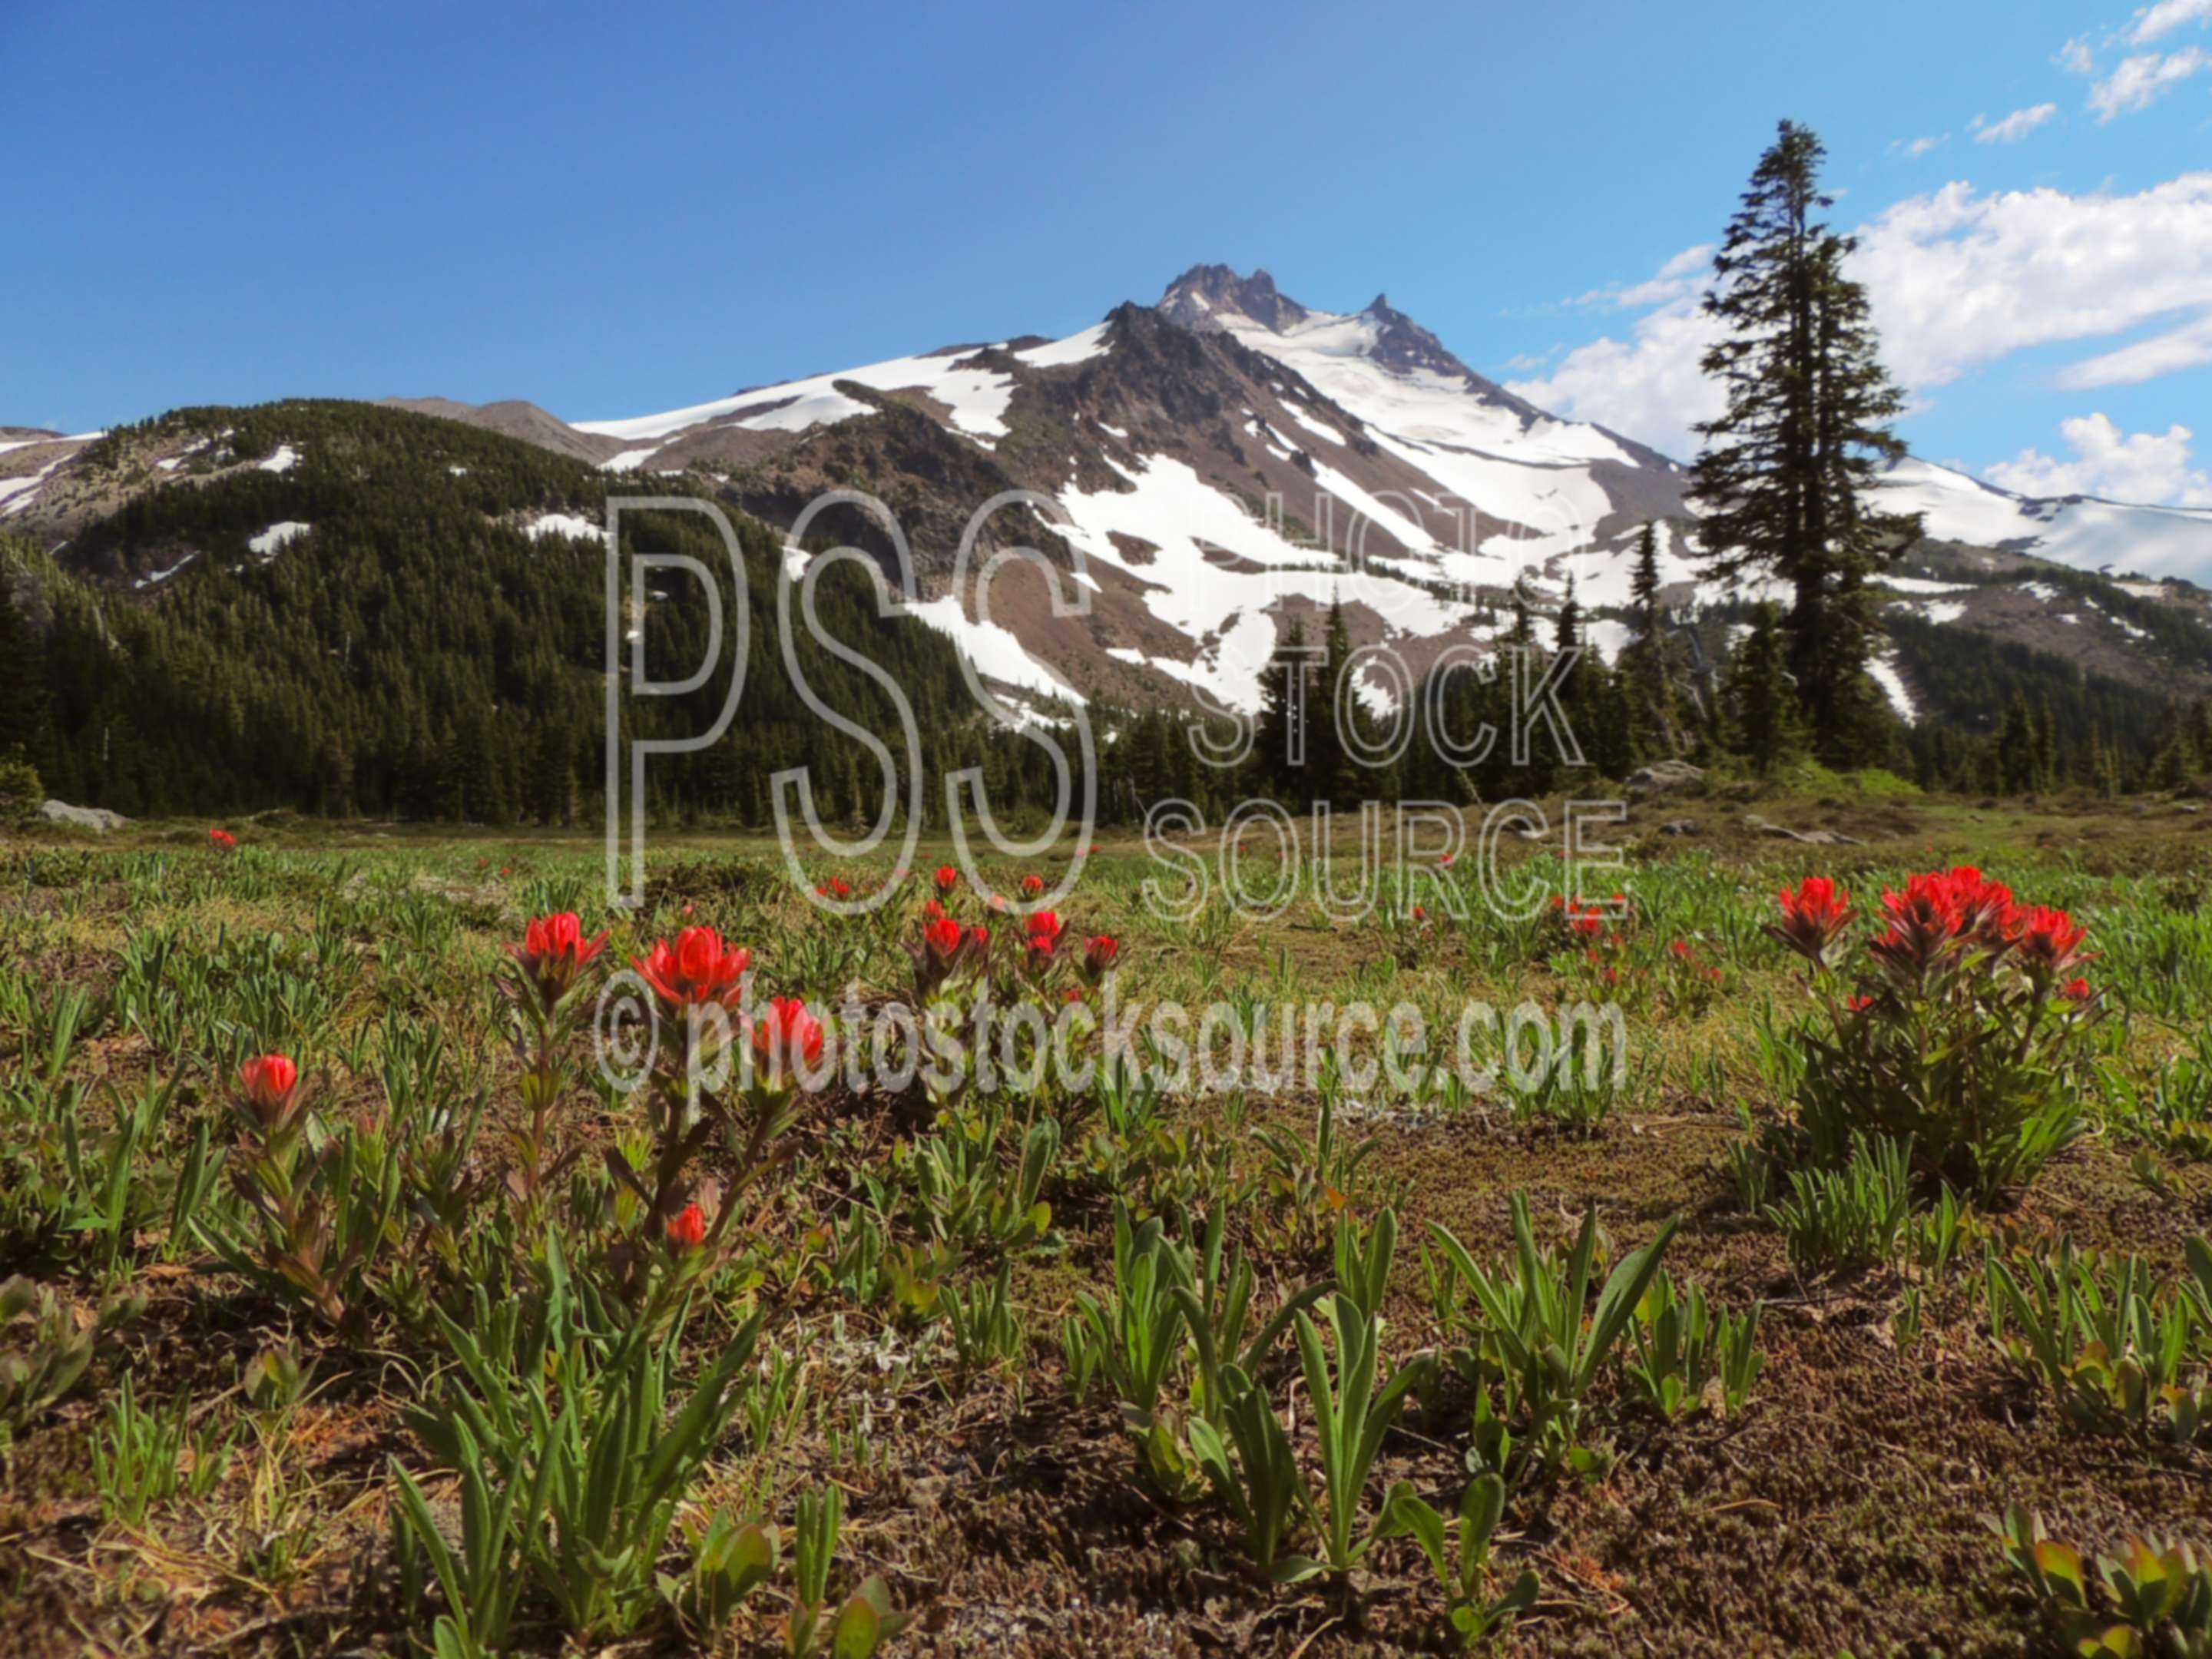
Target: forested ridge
[{"x": 417, "y": 650}]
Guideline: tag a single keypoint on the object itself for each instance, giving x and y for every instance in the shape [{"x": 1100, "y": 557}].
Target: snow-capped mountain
[
  {"x": 1230, "y": 459},
  {"x": 1223, "y": 462},
  {"x": 2080, "y": 531}
]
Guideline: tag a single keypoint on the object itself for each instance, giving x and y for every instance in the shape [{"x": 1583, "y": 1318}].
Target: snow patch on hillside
[
  {"x": 1229, "y": 611},
  {"x": 564, "y": 524},
  {"x": 997, "y": 654},
  {"x": 273, "y": 540},
  {"x": 977, "y": 398},
  {"x": 2077, "y": 531},
  {"x": 1075, "y": 348},
  {"x": 160, "y": 576},
  {"x": 1886, "y": 675}
]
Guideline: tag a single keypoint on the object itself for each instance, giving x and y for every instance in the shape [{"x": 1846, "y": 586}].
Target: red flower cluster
[
  {"x": 1690, "y": 974},
  {"x": 269, "y": 1094},
  {"x": 947, "y": 879},
  {"x": 698, "y": 969},
  {"x": 2050, "y": 941},
  {"x": 267, "y": 1083},
  {"x": 1940, "y": 919},
  {"x": 947, "y": 950},
  {"x": 687, "y": 1229},
  {"x": 1043, "y": 929},
  {"x": 1099, "y": 956},
  {"x": 553, "y": 952},
  {"x": 1815, "y": 914},
  {"x": 836, "y": 888},
  {"x": 222, "y": 841},
  {"x": 788, "y": 1031},
  {"x": 1591, "y": 922},
  {"x": 1942, "y": 913},
  {"x": 1032, "y": 885}
]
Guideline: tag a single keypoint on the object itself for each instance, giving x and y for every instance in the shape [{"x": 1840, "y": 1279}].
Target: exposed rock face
[
  {"x": 1197, "y": 299},
  {"x": 517, "y": 419}
]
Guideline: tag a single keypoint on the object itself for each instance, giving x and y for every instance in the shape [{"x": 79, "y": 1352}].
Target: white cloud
[
  {"x": 1648, "y": 385},
  {"x": 1684, "y": 274},
  {"x": 2178, "y": 348},
  {"x": 2162, "y": 19},
  {"x": 2143, "y": 466},
  {"x": 2016, "y": 126},
  {"x": 1957, "y": 280},
  {"x": 2139, "y": 80},
  {"x": 1960, "y": 279},
  {"x": 1917, "y": 146},
  {"x": 2074, "y": 57}
]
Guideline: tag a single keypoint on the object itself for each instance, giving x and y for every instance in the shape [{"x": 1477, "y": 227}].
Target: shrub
[
  {"x": 21, "y": 793},
  {"x": 1961, "y": 1031}
]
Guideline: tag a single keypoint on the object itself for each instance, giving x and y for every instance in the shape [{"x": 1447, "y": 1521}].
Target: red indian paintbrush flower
[
  {"x": 2076, "y": 990},
  {"x": 1032, "y": 885},
  {"x": 269, "y": 1094},
  {"x": 946, "y": 949},
  {"x": 1043, "y": 931},
  {"x": 222, "y": 841},
  {"x": 947, "y": 879},
  {"x": 554, "y": 952},
  {"x": 687, "y": 1229},
  {"x": 1941, "y": 917},
  {"x": 1815, "y": 914},
  {"x": 787, "y": 1031},
  {"x": 269, "y": 1081},
  {"x": 698, "y": 969},
  {"x": 2049, "y": 940},
  {"x": 1099, "y": 955}
]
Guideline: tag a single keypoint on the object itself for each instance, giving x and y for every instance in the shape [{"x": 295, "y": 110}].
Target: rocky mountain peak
[{"x": 1197, "y": 299}]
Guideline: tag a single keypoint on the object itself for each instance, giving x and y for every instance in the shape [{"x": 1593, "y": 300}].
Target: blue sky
[{"x": 233, "y": 203}]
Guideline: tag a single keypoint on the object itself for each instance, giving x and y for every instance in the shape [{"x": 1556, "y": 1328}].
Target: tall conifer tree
[{"x": 1787, "y": 475}]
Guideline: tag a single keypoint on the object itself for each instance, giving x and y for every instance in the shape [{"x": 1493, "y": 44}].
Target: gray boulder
[
  {"x": 97, "y": 819},
  {"x": 1662, "y": 775}
]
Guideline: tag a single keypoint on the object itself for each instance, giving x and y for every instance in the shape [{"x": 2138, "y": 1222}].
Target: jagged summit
[{"x": 1205, "y": 296}]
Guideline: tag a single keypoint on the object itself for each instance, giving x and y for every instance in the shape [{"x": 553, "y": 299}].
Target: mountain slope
[
  {"x": 1211, "y": 469},
  {"x": 1223, "y": 462},
  {"x": 1277, "y": 458},
  {"x": 337, "y": 606}
]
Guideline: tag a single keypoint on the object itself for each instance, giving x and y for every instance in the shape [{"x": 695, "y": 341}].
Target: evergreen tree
[
  {"x": 24, "y": 702},
  {"x": 1646, "y": 666},
  {"x": 1787, "y": 476},
  {"x": 1760, "y": 695},
  {"x": 1279, "y": 747},
  {"x": 1329, "y": 762}
]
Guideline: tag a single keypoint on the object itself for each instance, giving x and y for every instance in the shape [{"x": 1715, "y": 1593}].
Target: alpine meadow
[{"x": 1203, "y": 983}]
